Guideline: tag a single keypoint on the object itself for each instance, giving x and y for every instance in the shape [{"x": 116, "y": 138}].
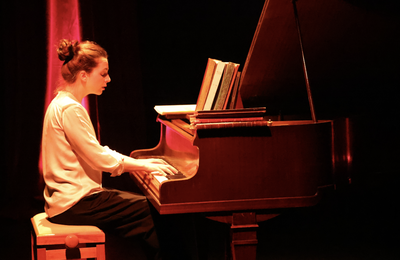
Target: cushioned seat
[{"x": 53, "y": 241}]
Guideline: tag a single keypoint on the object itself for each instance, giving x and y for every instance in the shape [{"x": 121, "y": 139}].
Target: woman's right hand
[
  {"x": 151, "y": 165},
  {"x": 158, "y": 167}
]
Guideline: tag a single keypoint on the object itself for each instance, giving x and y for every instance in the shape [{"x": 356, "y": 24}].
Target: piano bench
[{"x": 53, "y": 241}]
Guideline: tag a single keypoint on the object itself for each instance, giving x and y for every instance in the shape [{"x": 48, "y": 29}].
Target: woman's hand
[
  {"x": 158, "y": 167},
  {"x": 154, "y": 166}
]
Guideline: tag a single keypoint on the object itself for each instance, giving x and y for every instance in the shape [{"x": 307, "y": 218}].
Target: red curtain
[{"x": 63, "y": 22}]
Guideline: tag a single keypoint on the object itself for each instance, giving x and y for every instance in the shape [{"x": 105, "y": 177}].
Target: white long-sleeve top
[{"x": 73, "y": 159}]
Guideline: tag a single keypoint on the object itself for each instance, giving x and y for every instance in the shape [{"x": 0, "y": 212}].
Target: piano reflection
[{"x": 239, "y": 173}]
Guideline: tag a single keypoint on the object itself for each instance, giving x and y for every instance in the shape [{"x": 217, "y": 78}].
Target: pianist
[{"x": 73, "y": 159}]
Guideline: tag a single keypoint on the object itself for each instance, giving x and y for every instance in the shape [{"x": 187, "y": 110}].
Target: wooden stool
[{"x": 53, "y": 241}]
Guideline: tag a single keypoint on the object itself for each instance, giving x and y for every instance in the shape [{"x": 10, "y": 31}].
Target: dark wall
[
  {"x": 158, "y": 52},
  {"x": 159, "y": 49},
  {"x": 23, "y": 85}
]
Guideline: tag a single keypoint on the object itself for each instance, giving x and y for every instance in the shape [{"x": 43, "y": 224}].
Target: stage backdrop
[{"x": 158, "y": 52}]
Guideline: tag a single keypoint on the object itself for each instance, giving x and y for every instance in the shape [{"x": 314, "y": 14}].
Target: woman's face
[{"x": 98, "y": 78}]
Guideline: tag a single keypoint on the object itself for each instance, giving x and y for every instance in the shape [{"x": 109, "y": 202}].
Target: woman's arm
[{"x": 80, "y": 134}]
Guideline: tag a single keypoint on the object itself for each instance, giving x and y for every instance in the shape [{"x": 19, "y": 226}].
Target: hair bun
[{"x": 66, "y": 50}]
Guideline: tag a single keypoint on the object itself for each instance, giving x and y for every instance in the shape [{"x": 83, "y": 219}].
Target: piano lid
[{"x": 351, "y": 51}]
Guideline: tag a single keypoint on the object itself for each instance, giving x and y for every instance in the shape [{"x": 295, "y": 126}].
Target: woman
[{"x": 73, "y": 159}]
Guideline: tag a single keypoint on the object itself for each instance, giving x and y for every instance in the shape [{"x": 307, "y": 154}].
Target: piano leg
[
  {"x": 243, "y": 233},
  {"x": 244, "y": 236}
]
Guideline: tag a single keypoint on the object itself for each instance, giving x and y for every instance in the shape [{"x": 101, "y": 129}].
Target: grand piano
[{"x": 242, "y": 175}]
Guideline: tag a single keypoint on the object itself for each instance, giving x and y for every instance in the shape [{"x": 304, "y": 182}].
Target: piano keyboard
[
  {"x": 155, "y": 179},
  {"x": 161, "y": 178},
  {"x": 178, "y": 175}
]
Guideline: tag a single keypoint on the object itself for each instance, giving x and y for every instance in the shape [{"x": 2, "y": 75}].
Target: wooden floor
[{"x": 356, "y": 222}]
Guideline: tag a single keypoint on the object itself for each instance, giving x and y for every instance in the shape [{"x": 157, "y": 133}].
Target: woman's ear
[{"x": 83, "y": 75}]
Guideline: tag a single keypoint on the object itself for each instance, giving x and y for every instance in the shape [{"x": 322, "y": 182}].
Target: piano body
[
  {"x": 242, "y": 175},
  {"x": 240, "y": 168}
]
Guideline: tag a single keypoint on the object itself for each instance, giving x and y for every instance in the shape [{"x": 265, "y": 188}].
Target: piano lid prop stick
[{"x": 310, "y": 101}]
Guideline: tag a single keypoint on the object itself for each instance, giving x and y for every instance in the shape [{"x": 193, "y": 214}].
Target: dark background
[{"x": 158, "y": 52}]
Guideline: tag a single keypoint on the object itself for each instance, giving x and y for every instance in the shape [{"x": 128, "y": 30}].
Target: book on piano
[
  {"x": 227, "y": 115},
  {"x": 228, "y": 79},
  {"x": 206, "y": 84},
  {"x": 216, "y": 88}
]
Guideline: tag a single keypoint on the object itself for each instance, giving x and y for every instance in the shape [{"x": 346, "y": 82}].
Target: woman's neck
[{"x": 77, "y": 91}]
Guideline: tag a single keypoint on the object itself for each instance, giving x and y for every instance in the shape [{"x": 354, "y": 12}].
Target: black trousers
[{"x": 122, "y": 213}]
